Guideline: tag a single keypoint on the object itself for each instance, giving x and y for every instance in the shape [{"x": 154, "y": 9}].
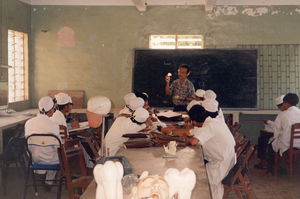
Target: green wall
[
  {"x": 100, "y": 59},
  {"x": 14, "y": 15}
]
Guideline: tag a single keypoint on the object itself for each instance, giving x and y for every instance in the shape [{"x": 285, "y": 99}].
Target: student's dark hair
[
  {"x": 141, "y": 95},
  {"x": 61, "y": 107},
  {"x": 185, "y": 66},
  {"x": 291, "y": 98},
  {"x": 198, "y": 113}
]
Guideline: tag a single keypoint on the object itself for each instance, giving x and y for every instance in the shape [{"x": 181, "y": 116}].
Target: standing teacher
[{"x": 182, "y": 90}]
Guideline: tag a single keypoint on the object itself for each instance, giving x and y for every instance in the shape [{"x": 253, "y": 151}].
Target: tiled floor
[{"x": 265, "y": 186}]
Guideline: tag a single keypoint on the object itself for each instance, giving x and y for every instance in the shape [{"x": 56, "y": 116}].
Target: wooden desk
[
  {"x": 11, "y": 120},
  {"x": 151, "y": 159}
]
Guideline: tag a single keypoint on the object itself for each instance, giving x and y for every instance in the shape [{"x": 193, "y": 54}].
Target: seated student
[
  {"x": 280, "y": 142},
  {"x": 124, "y": 125},
  {"x": 133, "y": 105},
  {"x": 210, "y": 94},
  {"x": 42, "y": 124},
  {"x": 63, "y": 101},
  {"x": 217, "y": 142},
  {"x": 151, "y": 110},
  {"x": 127, "y": 98},
  {"x": 69, "y": 116},
  {"x": 264, "y": 136},
  {"x": 199, "y": 97}
]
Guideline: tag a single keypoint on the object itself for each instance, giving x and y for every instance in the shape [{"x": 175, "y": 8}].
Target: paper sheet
[{"x": 169, "y": 114}]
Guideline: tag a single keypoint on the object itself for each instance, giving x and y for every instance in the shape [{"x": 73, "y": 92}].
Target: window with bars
[
  {"x": 18, "y": 59},
  {"x": 176, "y": 41}
]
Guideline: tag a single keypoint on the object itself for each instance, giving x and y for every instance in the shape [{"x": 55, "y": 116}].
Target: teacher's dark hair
[{"x": 185, "y": 66}]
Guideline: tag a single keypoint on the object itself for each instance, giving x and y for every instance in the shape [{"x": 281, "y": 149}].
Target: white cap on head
[
  {"x": 99, "y": 105},
  {"x": 46, "y": 104},
  {"x": 210, "y": 94},
  {"x": 210, "y": 105},
  {"x": 140, "y": 115},
  {"x": 199, "y": 93},
  {"x": 279, "y": 100},
  {"x": 62, "y": 98},
  {"x": 128, "y": 97},
  {"x": 136, "y": 103},
  {"x": 70, "y": 100}
]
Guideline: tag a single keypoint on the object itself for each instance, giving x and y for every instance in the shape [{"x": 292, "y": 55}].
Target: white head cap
[
  {"x": 279, "y": 100},
  {"x": 46, "y": 104},
  {"x": 140, "y": 115},
  {"x": 70, "y": 100},
  {"x": 136, "y": 103},
  {"x": 99, "y": 105},
  {"x": 199, "y": 93},
  {"x": 128, "y": 97},
  {"x": 210, "y": 94},
  {"x": 210, "y": 105},
  {"x": 62, "y": 98}
]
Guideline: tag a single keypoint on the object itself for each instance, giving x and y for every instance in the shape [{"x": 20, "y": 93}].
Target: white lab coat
[
  {"x": 125, "y": 110},
  {"x": 221, "y": 115},
  {"x": 121, "y": 126},
  {"x": 218, "y": 148},
  {"x": 59, "y": 118},
  {"x": 282, "y": 131},
  {"x": 42, "y": 124}
]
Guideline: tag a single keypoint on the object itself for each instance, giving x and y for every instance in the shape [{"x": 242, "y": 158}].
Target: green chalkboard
[{"x": 231, "y": 73}]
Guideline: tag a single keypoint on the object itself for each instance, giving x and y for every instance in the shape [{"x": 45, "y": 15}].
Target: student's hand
[
  {"x": 266, "y": 121},
  {"x": 167, "y": 78},
  {"x": 192, "y": 140}
]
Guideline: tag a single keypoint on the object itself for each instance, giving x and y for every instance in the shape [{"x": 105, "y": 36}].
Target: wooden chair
[
  {"x": 237, "y": 178},
  {"x": 91, "y": 146},
  {"x": 63, "y": 132},
  {"x": 290, "y": 154},
  {"x": 70, "y": 151},
  {"x": 240, "y": 147}
]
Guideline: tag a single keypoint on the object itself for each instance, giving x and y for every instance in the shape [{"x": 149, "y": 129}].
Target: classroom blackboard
[{"x": 231, "y": 73}]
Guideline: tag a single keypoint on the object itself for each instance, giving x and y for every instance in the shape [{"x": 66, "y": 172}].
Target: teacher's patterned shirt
[{"x": 186, "y": 89}]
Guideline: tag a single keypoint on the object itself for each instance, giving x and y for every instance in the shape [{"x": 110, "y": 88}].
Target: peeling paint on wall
[
  {"x": 65, "y": 37},
  {"x": 255, "y": 11},
  {"x": 249, "y": 11}
]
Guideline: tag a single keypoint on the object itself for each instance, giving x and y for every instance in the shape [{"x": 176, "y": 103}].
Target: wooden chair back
[
  {"x": 237, "y": 178},
  {"x": 72, "y": 152},
  {"x": 290, "y": 155},
  {"x": 240, "y": 147},
  {"x": 63, "y": 132}
]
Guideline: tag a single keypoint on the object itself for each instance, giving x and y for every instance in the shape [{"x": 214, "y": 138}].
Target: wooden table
[
  {"x": 12, "y": 119},
  {"x": 151, "y": 159}
]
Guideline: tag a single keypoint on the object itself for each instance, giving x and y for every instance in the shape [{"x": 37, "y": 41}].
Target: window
[
  {"x": 176, "y": 41},
  {"x": 18, "y": 59}
]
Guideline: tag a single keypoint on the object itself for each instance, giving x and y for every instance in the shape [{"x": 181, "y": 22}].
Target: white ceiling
[{"x": 161, "y": 2}]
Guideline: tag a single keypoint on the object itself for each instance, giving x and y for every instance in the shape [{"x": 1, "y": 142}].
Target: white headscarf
[
  {"x": 210, "y": 94},
  {"x": 210, "y": 105},
  {"x": 46, "y": 104}
]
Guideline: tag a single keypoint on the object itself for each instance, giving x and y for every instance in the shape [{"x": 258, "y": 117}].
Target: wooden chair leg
[
  {"x": 226, "y": 192},
  {"x": 276, "y": 164},
  {"x": 239, "y": 194},
  {"x": 291, "y": 164}
]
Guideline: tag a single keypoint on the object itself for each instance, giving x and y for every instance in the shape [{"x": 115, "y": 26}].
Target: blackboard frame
[{"x": 245, "y": 60}]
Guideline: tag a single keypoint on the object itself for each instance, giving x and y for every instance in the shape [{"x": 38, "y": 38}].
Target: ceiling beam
[{"x": 207, "y": 3}]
